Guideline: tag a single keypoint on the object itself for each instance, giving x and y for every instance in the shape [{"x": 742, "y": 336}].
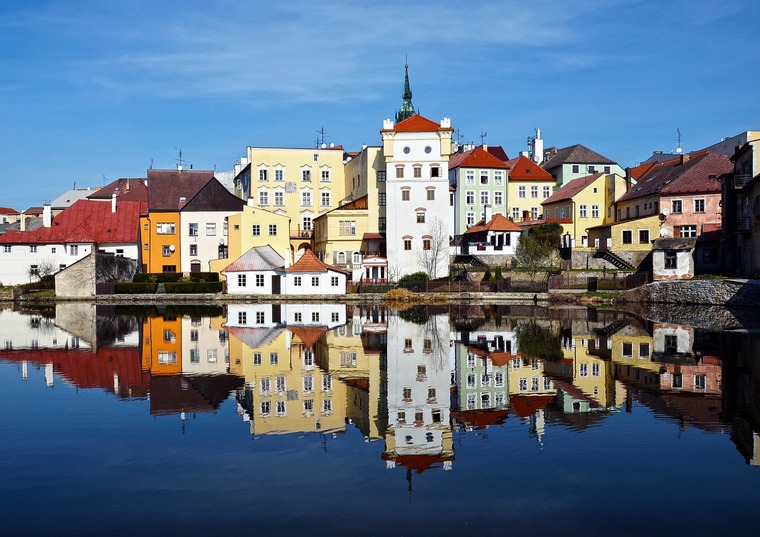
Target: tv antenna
[
  {"x": 459, "y": 136},
  {"x": 678, "y": 149},
  {"x": 482, "y": 135},
  {"x": 321, "y": 137},
  {"x": 180, "y": 161}
]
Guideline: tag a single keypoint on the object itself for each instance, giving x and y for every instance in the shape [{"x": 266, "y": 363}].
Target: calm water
[{"x": 338, "y": 420}]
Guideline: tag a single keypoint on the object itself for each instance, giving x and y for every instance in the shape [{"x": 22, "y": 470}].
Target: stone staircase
[{"x": 614, "y": 260}]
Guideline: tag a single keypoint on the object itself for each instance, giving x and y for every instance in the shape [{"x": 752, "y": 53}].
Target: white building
[
  {"x": 259, "y": 271},
  {"x": 310, "y": 276}
]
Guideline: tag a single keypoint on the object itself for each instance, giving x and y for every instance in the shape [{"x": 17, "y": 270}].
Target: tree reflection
[{"x": 536, "y": 341}]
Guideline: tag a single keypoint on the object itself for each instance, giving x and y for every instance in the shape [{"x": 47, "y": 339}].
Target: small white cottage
[
  {"x": 259, "y": 271},
  {"x": 310, "y": 276}
]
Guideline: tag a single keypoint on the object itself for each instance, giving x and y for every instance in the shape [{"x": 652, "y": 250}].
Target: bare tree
[
  {"x": 435, "y": 251},
  {"x": 42, "y": 269}
]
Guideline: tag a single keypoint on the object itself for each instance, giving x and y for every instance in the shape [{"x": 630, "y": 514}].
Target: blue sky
[{"x": 92, "y": 88}]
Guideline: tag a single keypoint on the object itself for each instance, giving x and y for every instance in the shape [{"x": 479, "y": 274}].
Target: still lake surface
[{"x": 361, "y": 420}]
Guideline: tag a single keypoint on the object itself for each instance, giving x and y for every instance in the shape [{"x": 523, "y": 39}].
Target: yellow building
[
  {"x": 528, "y": 186},
  {"x": 339, "y": 236},
  {"x": 301, "y": 183},
  {"x": 634, "y": 235},
  {"x": 255, "y": 227}
]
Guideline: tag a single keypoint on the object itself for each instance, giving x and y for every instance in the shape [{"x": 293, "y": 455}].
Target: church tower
[{"x": 406, "y": 110}]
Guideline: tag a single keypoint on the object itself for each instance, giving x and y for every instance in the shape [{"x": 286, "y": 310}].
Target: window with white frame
[
  {"x": 381, "y": 199},
  {"x": 259, "y": 280},
  {"x": 521, "y": 192},
  {"x": 241, "y": 278},
  {"x": 687, "y": 231},
  {"x": 469, "y": 177},
  {"x": 279, "y": 174},
  {"x": 297, "y": 281},
  {"x": 192, "y": 229},
  {"x": 485, "y": 197},
  {"x": 263, "y": 198},
  {"x": 583, "y": 370},
  {"x": 515, "y": 213},
  {"x": 256, "y": 230},
  {"x": 582, "y": 210},
  {"x": 210, "y": 229},
  {"x": 534, "y": 191},
  {"x": 165, "y": 228},
  {"x": 306, "y": 174},
  {"x": 523, "y": 384},
  {"x": 279, "y": 198},
  {"x": 498, "y": 178},
  {"x": 272, "y": 230},
  {"x": 676, "y": 206},
  {"x": 242, "y": 317},
  {"x": 315, "y": 281},
  {"x": 325, "y": 199},
  {"x": 595, "y": 211},
  {"x": 74, "y": 249},
  {"x": 534, "y": 213},
  {"x": 547, "y": 191},
  {"x": 470, "y": 219},
  {"x": 325, "y": 176},
  {"x": 305, "y": 198},
  {"x": 699, "y": 205},
  {"x": 498, "y": 198},
  {"x": 469, "y": 197},
  {"x": 315, "y": 314},
  {"x": 263, "y": 174}
]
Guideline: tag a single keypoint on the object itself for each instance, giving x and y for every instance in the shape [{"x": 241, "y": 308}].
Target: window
[
  {"x": 327, "y": 406},
  {"x": 315, "y": 281},
  {"x": 534, "y": 191},
  {"x": 687, "y": 231},
  {"x": 595, "y": 211},
  {"x": 523, "y": 384},
  {"x": 381, "y": 199},
  {"x": 34, "y": 270},
  {"x": 242, "y": 317},
  {"x": 272, "y": 230},
  {"x": 306, "y": 222},
  {"x": 263, "y": 197},
  {"x": 498, "y": 198},
  {"x": 470, "y": 197},
  {"x": 193, "y": 249},
  {"x": 607, "y": 169},
  {"x": 515, "y": 213},
  {"x": 325, "y": 176},
  {"x": 165, "y": 228},
  {"x": 165, "y": 268},
  {"x": 210, "y": 230},
  {"x": 297, "y": 281},
  {"x": 305, "y": 198},
  {"x": 327, "y": 383},
  {"x": 347, "y": 227},
  {"x": 195, "y": 356},
  {"x": 576, "y": 168},
  {"x": 483, "y": 177},
  {"x": 678, "y": 380},
  {"x": 166, "y": 357},
  {"x": 470, "y": 177},
  {"x": 627, "y": 236},
  {"x": 241, "y": 280},
  {"x": 628, "y": 350},
  {"x": 671, "y": 344},
  {"x": 426, "y": 244},
  {"x": 584, "y": 370},
  {"x": 700, "y": 382},
  {"x": 325, "y": 198},
  {"x": 297, "y": 317},
  {"x": 547, "y": 191},
  {"x": 643, "y": 350},
  {"x": 166, "y": 250},
  {"x": 521, "y": 192},
  {"x": 592, "y": 169},
  {"x": 279, "y": 198},
  {"x": 399, "y": 172},
  {"x": 430, "y": 194},
  {"x": 420, "y": 217},
  {"x": 407, "y": 244},
  {"x": 259, "y": 280},
  {"x": 485, "y": 197},
  {"x": 256, "y": 230},
  {"x": 643, "y": 236},
  {"x": 334, "y": 281},
  {"x": 405, "y": 195},
  {"x": 534, "y": 213},
  {"x": 699, "y": 205},
  {"x": 417, "y": 172},
  {"x": 192, "y": 229},
  {"x": 263, "y": 175},
  {"x": 498, "y": 178},
  {"x": 279, "y": 175},
  {"x": 306, "y": 175},
  {"x": 381, "y": 221},
  {"x": 470, "y": 219},
  {"x": 671, "y": 259},
  {"x": 381, "y": 177},
  {"x": 7, "y": 248},
  {"x": 315, "y": 314},
  {"x": 273, "y": 358},
  {"x": 676, "y": 206},
  {"x": 256, "y": 358},
  {"x": 582, "y": 210}
]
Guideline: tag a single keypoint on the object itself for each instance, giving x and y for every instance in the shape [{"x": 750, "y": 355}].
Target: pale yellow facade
[
  {"x": 365, "y": 176},
  {"x": 252, "y": 227},
  {"x": 525, "y": 198},
  {"x": 338, "y": 238}
]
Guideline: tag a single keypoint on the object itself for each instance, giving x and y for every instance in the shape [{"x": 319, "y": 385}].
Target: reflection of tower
[
  {"x": 537, "y": 423},
  {"x": 418, "y": 436}
]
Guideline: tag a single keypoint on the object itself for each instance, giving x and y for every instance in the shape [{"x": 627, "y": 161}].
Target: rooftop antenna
[
  {"x": 151, "y": 164},
  {"x": 482, "y": 135},
  {"x": 180, "y": 162},
  {"x": 459, "y": 136},
  {"x": 320, "y": 137},
  {"x": 104, "y": 179},
  {"x": 679, "y": 150}
]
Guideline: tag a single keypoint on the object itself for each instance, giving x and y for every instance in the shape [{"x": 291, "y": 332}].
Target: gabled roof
[
  {"x": 668, "y": 243},
  {"x": 524, "y": 169},
  {"x": 309, "y": 335},
  {"x": 696, "y": 175},
  {"x": 68, "y": 198},
  {"x": 34, "y": 210},
  {"x": 498, "y": 152},
  {"x": 417, "y": 123},
  {"x": 569, "y": 190},
  {"x": 86, "y": 221},
  {"x": 497, "y": 223},
  {"x": 575, "y": 154},
  {"x": 355, "y": 205},
  {"x": 257, "y": 258},
  {"x": 125, "y": 189},
  {"x": 254, "y": 337},
  {"x": 7, "y": 210},
  {"x": 167, "y": 188},
  {"x": 311, "y": 263},
  {"x": 475, "y": 158}
]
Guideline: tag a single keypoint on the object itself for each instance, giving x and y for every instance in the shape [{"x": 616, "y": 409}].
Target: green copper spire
[{"x": 407, "y": 108}]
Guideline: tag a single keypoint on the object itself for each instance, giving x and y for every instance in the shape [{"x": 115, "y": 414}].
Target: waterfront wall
[{"x": 715, "y": 292}]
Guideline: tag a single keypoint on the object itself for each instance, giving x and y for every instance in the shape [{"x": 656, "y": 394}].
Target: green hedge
[
  {"x": 129, "y": 288},
  {"x": 204, "y": 276},
  {"x": 157, "y": 277},
  {"x": 201, "y": 287}
]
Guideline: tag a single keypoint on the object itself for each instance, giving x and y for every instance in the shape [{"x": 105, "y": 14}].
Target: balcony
[
  {"x": 299, "y": 233},
  {"x": 740, "y": 180}
]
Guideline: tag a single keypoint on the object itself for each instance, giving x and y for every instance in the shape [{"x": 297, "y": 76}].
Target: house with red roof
[
  {"x": 496, "y": 236},
  {"x": 528, "y": 186},
  {"x": 8, "y": 215},
  {"x": 479, "y": 180},
  {"x": 311, "y": 276},
  {"x": 577, "y": 161},
  {"x": 85, "y": 227}
]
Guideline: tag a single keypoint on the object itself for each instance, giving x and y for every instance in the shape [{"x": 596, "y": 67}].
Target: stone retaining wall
[{"x": 717, "y": 292}]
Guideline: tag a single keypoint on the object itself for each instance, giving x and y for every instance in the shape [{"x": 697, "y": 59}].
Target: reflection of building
[
  {"x": 418, "y": 434},
  {"x": 162, "y": 345},
  {"x": 742, "y": 378}
]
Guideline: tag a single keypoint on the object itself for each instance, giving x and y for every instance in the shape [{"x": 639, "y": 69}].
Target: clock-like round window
[
  {"x": 406, "y": 150},
  {"x": 428, "y": 149}
]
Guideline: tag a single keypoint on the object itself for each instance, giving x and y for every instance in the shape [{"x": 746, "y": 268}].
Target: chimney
[
  {"x": 627, "y": 179},
  {"x": 23, "y": 221},
  {"x": 113, "y": 202},
  {"x": 47, "y": 215},
  {"x": 485, "y": 147},
  {"x": 684, "y": 158},
  {"x": 486, "y": 214},
  {"x": 538, "y": 148},
  {"x": 250, "y": 201}
]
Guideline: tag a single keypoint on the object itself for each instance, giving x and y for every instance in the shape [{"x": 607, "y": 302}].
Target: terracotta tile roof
[
  {"x": 526, "y": 405},
  {"x": 571, "y": 189},
  {"x": 476, "y": 158},
  {"x": 671, "y": 177},
  {"x": 575, "y": 154},
  {"x": 125, "y": 189},
  {"x": 309, "y": 335},
  {"x": 524, "y": 169},
  {"x": 498, "y": 152},
  {"x": 7, "y": 210},
  {"x": 357, "y": 204},
  {"x": 417, "y": 123},
  {"x": 34, "y": 210},
  {"x": 497, "y": 223},
  {"x": 257, "y": 258},
  {"x": 86, "y": 221},
  {"x": 166, "y": 188},
  {"x": 311, "y": 263}
]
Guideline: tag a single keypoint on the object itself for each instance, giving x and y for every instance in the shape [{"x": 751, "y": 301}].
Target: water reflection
[{"x": 410, "y": 378}]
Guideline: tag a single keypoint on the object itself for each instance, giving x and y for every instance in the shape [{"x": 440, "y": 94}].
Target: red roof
[
  {"x": 419, "y": 463},
  {"x": 571, "y": 189},
  {"x": 497, "y": 223},
  {"x": 311, "y": 263},
  {"x": 170, "y": 190},
  {"x": 524, "y": 169},
  {"x": 86, "y": 221},
  {"x": 7, "y": 210},
  {"x": 125, "y": 189},
  {"x": 476, "y": 158},
  {"x": 480, "y": 419},
  {"x": 309, "y": 335},
  {"x": 526, "y": 405},
  {"x": 417, "y": 123},
  {"x": 498, "y": 152}
]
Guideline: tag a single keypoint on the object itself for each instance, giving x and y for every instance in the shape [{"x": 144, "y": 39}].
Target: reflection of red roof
[
  {"x": 526, "y": 405},
  {"x": 480, "y": 419},
  {"x": 308, "y": 334},
  {"x": 419, "y": 463}
]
